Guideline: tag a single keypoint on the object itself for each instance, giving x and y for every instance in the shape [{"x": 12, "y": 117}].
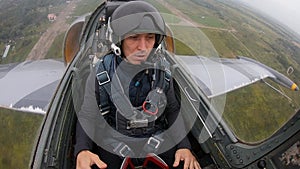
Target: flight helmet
[{"x": 137, "y": 17}]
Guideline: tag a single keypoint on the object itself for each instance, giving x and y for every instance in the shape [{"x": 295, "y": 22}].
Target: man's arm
[
  {"x": 183, "y": 152},
  {"x": 173, "y": 114},
  {"x": 87, "y": 123},
  {"x": 83, "y": 142},
  {"x": 83, "y": 151}
]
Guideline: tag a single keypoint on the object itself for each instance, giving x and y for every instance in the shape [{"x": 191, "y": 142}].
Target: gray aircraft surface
[{"x": 205, "y": 85}]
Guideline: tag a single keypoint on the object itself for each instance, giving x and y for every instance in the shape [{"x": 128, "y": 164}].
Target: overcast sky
[{"x": 286, "y": 11}]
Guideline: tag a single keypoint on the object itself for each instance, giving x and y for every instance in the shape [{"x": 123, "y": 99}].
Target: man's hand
[
  {"x": 85, "y": 159},
  {"x": 185, "y": 155}
]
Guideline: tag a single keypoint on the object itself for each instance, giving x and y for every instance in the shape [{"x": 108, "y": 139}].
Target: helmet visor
[{"x": 147, "y": 22}]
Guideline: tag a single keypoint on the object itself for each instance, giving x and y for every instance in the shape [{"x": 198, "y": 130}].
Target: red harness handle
[{"x": 145, "y": 104}]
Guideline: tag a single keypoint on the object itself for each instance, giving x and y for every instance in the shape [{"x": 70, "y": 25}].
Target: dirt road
[{"x": 59, "y": 26}]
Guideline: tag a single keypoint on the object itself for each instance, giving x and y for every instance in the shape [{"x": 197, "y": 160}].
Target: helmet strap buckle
[{"x": 109, "y": 33}]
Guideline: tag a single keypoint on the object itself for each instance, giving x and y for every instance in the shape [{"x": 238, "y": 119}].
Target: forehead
[{"x": 139, "y": 34}]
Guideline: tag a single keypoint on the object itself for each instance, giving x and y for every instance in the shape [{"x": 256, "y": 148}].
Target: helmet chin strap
[
  {"x": 158, "y": 49},
  {"x": 113, "y": 46},
  {"x": 116, "y": 49},
  {"x": 153, "y": 54}
]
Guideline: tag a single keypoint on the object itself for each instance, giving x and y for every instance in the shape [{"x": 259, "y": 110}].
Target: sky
[{"x": 285, "y": 11}]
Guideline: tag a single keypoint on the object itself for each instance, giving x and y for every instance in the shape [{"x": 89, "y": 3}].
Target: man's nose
[{"x": 142, "y": 43}]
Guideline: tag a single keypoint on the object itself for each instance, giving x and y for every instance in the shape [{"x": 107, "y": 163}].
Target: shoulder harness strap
[
  {"x": 163, "y": 73},
  {"x": 104, "y": 74},
  {"x": 106, "y": 70}
]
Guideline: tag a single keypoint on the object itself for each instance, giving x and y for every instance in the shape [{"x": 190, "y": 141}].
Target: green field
[
  {"x": 24, "y": 35},
  {"x": 254, "y": 113},
  {"x": 19, "y": 129},
  {"x": 18, "y": 135}
]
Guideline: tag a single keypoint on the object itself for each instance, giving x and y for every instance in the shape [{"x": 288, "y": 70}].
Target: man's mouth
[{"x": 140, "y": 54}]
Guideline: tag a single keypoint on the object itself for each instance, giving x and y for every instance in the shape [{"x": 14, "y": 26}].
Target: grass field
[
  {"x": 255, "y": 112},
  {"x": 18, "y": 134}
]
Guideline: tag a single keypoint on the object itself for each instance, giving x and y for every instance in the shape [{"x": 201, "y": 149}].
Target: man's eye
[
  {"x": 151, "y": 36},
  {"x": 133, "y": 37}
]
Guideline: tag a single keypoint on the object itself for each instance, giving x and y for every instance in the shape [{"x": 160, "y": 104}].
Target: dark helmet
[{"x": 137, "y": 17}]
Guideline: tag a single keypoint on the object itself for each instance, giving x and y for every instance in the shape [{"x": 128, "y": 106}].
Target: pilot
[{"x": 133, "y": 83}]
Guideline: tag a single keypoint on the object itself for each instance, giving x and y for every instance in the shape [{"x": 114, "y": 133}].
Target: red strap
[
  {"x": 151, "y": 157},
  {"x": 127, "y": 163}
]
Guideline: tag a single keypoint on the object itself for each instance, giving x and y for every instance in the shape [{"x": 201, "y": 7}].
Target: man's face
[{"x": 137, "y": 47}]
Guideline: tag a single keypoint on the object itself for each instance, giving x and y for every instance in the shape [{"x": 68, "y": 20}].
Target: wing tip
[{"x": 294, "y": 87}]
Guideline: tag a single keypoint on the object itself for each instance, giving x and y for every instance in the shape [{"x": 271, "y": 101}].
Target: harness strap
[
  {"x": 105, "y": 71},
  {"x": 123, "y": 103},
  {"x": 103, "y": 77},
  {"x": 123, "y": 150},
  {"x": 162, "y": 79},
  {"x": 151, "y": 158},
  {"x": 105, "y": 86},
  {"x": 127, "y": 163},
  {"x": 153, "y": 144},
  {"x": 120, "y": 148}
]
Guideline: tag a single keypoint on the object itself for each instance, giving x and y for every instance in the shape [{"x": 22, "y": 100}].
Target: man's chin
[
  {"x": 139, "y": 61},
  {"x": 136, "y": 62}
]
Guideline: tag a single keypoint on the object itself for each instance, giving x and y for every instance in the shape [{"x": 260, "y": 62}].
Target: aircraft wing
[
  {"x": 217, "y": 76},
  {"x": 29, "y": 85}
]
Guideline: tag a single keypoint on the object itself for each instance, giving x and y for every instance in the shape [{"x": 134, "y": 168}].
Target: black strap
[
  {"x": 103, "y": 76},
  {"x": 152, "y": 145},
  {"x": 105, "y": 72},
  {"x": 118, "y": 147},
  {"x": 162, "y": 72}
]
